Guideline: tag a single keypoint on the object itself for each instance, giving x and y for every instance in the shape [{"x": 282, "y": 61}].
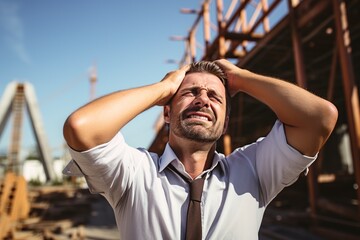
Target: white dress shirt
[{"x": 150, "y": 201}]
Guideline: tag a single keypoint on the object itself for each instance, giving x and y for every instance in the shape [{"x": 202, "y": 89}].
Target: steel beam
[
  {"x": 350, "y": 89},
  {"x": 302, "y": 82}
]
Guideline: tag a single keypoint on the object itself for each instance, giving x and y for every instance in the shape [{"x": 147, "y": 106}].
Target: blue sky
[{"x": 53, "y": 44}]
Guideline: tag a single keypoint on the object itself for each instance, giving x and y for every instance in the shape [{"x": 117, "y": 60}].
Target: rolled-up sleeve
[
  {"x": 109, "y": 166},
  {"x": 277, "y": 163}
]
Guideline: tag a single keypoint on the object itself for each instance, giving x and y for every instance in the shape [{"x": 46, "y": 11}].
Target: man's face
[{"x": 198, "y": 110}]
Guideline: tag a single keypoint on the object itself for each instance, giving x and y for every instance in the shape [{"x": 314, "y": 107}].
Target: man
[{"x": 149, "y": 193}]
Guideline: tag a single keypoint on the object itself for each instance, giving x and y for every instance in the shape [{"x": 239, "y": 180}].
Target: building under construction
[{"x": 314, "y": 44}]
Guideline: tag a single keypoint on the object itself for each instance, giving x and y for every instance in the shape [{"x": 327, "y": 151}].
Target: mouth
[{"x": 199, "y": 116}]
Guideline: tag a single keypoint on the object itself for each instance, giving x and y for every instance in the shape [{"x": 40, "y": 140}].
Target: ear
[
  {"x": 166, "y": 113},
  {"x": 226, "y": 124}
]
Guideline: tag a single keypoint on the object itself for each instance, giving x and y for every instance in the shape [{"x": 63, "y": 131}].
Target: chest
[{"x": 229, "y": 204}]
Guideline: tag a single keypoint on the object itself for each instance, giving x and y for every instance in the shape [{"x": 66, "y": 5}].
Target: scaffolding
[{"x": 16, "y": 97}]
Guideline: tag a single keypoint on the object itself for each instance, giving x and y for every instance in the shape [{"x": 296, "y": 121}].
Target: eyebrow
[{"x": 209, "y": 90}]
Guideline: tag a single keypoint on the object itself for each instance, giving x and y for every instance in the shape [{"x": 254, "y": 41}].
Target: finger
[
  {"x": 185, "y": 68},
  {"x": 167, "y": 75},
  {"x": 223, "y": 63}
]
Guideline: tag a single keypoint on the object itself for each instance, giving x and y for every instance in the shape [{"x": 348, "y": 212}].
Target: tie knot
[{"x": 196, "y": 188}]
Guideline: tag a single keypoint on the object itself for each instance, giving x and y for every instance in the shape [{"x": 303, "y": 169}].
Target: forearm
[
  {"x": 308, "y": 119},
  {"x": 98, "y": 121},
  {"x": 293, "y": 105}
]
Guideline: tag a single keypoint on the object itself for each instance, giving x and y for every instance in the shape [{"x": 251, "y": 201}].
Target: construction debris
[{"x": 45, "y": 212}]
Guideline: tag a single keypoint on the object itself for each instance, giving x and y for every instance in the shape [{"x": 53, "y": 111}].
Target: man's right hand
[
  {"x": 172, "y": 82},
  {"x": 98, "y": 121}
]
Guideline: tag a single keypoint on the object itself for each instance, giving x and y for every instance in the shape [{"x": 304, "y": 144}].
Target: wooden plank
[
  {"x": 5, "y": 225},
  {"x": 20, "y": 203},
  {"x": 6, "y": 189}
]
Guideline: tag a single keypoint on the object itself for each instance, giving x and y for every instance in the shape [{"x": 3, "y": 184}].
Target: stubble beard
[{"x": 197, "y": 131}]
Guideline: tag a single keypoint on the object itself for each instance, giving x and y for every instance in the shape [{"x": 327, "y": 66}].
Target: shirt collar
[{"x": 169, "y": 156}]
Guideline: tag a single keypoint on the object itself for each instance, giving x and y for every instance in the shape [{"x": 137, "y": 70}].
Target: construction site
[{"x": 314, "y": 44}]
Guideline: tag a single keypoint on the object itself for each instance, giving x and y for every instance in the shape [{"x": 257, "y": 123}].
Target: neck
[{"x": 196, "y": 157}]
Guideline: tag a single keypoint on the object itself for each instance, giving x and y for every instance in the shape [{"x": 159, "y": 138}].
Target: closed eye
[
  {"x": 214, "y": 96},
  {"x": 189, "y": 93}
]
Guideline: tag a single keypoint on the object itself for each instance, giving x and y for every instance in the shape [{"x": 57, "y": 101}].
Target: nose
[{"x": 202, "y": 99}]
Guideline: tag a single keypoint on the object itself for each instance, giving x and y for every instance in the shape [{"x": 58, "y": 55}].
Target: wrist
[
  {"x": 237, "y": 80},
  {"x": 165, "y": 93}
]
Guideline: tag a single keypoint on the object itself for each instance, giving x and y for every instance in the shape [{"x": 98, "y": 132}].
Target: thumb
[{"x": 185, "y": 67}]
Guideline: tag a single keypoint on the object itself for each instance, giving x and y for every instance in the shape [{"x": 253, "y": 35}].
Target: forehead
[{"x": 202, "y": 79}]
